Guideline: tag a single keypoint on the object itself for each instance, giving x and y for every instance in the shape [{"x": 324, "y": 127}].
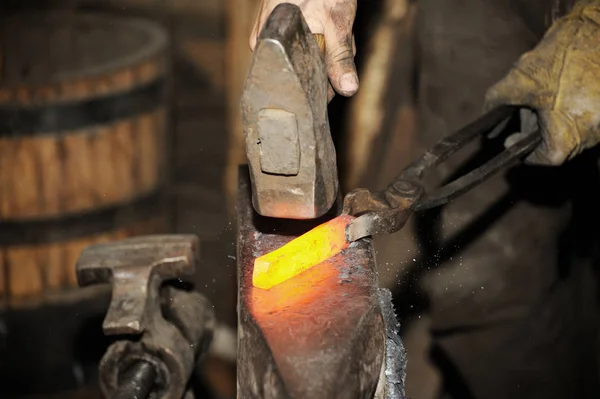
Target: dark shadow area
[
  {"x": 290, "y": 227},
  {"x": 89, "y": 346},
  {"x": 366, "y": 17},
  {"x": 548, "y": 187},
  {"x": 453, "y": 384},
  {"x": 52, "y": 348},
  {"x": 576, "y": 183}
]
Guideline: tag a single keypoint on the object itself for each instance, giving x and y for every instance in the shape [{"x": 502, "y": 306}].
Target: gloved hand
[
  {"x": 560, "y": 81},
  {"x": 334, "y": 20}
]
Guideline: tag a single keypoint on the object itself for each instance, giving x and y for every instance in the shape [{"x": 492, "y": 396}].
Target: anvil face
[{"x": 320, "y": 334}]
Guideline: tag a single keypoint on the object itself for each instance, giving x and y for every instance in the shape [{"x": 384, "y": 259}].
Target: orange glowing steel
[{"x": 302, "y": 253}]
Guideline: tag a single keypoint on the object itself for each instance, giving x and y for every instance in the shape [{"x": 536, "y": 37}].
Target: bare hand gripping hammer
[{"x": 290, "y": 152}]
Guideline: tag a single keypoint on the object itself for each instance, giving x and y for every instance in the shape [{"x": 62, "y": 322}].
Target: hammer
[
  {"x": 164, "y": 328},
  {"x": 290, "y": 152}
]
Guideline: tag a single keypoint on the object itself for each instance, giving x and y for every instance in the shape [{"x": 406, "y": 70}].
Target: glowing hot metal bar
[
  {"x": 329, "y": 332},
  {"x": 302, "y": 253}
]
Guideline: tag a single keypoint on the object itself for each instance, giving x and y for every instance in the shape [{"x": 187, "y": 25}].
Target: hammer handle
[{"x": 320, "y": 38}]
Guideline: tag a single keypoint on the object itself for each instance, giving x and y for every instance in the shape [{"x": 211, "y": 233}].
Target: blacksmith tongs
[{"x": 387, "y": 211}]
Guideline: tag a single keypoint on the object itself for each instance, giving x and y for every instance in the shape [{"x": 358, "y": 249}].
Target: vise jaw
[{"x": 290, "y": 152}]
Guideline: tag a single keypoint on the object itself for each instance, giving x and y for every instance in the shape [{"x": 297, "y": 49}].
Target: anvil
[{"x": 330, "y": 332}]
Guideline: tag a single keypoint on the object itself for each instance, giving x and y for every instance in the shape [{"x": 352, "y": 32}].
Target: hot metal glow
[{"x": 302, "y": 253}]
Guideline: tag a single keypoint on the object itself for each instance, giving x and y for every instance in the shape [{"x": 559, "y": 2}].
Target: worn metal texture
[
  {"x": 321, "y": 334},
  {"x": 289, "y": 147},
  {"x": 393, "y": 384},
  {"x": 164, "y": 328},
  {"x": 387, "y": 212},
  {"x": 136, "y": 267},
  {"x": 139, "y": 381}
]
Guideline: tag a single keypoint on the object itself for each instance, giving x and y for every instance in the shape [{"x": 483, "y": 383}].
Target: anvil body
[{"x": 329, "y": 332}]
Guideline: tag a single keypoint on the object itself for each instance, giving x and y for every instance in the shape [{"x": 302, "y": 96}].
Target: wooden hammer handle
[{"x": 320, "y": 38}]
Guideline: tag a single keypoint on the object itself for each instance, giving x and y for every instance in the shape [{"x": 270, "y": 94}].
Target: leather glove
[
  {"x": 333, "y": 19},
  {"x": 559, "y": 80}
]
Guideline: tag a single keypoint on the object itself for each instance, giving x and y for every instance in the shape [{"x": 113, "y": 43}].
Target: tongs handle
[
  {"x": 454, "y": 142},
  {"x": 386, "y": 212}
]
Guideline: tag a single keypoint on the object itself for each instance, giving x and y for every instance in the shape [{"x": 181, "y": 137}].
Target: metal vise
[
  {"x": 164, "y": 328},
  {"x": 290, "y": 152}
]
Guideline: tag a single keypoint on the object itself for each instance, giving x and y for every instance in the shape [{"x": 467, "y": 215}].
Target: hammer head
[{"x": 290, "y": 152}]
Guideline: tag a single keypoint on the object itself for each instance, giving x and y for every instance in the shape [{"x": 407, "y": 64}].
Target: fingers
[
  {"x": 529, "y": 120},
  {"x": 559, "y": 143},
  {"x": 557, "y": 146},
  {"x": 517, "y": 88},
  {"x": 341, "y": 48},
  {"x": 334, "y": 19},
  {"x": 340, "y": 66},
  {"x": 330, "y": 92},
  {"x": 253, "y": 36},
  {"x": 522, "y": 89},
  {"x": 263, "y": 12}
]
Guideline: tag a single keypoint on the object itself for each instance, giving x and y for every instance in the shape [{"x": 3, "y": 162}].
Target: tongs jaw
[
  {"x": 386, "y": 212},
  {"x": 382, "y": 212}
]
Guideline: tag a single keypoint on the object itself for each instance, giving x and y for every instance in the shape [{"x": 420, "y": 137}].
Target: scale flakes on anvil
[{"x": 325, "y": 333}]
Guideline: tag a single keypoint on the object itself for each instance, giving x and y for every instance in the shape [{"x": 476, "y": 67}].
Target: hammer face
[{"x": 284, "y": 114}]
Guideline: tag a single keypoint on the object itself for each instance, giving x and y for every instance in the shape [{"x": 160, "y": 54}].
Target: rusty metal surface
[
  {"x": 392, "y": 386},
  {"x": 136, "y": 267},
  {"x": 321, "y": 334},
  {"x": 164, "y": 328},
  {"x": 387, "y": 212},
  {"x": 289, "y": 147}
]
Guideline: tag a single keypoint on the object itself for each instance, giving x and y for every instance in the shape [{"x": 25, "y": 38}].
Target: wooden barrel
[
  {"x": 83, "y": 149},
  {"x": 83, "y": 120}
]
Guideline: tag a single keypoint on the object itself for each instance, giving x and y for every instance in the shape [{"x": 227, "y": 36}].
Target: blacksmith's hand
[
  {"x": 558, "y": 85},
  {"x": 333, "y": 19}
]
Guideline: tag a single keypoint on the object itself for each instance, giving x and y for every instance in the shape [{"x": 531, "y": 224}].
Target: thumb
[
  {"x": 560, "y": 140},
  {"x": 340, "y": 60},
  {"x": 516, "y": 88}
]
